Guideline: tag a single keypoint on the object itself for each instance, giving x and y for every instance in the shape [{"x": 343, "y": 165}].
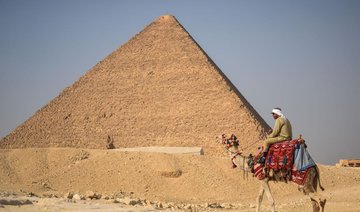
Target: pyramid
[{"x": 158, "y": 89}]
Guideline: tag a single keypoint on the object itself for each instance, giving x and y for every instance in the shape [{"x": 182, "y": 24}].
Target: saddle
[
  {"x": 281, "y": 155},
  {"x": 280, "y": 158}
]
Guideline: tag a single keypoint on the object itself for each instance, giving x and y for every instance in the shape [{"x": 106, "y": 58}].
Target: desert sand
[{"x": 140, "y": 181}]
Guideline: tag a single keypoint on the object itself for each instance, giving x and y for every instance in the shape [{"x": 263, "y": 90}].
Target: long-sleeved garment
[{"x": 282, "y": 131}]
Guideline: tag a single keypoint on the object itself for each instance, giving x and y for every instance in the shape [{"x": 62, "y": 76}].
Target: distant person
[{"x": 282, "y": 132}]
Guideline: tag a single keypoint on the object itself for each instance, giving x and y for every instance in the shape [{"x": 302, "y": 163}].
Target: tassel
[{"x": 284, "y": 160}]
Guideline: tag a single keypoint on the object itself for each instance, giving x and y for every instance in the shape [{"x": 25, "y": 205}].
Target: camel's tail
[{"x": 318, "y": 174}]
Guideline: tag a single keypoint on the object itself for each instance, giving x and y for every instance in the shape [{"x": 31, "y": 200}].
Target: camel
[{"x": 309, "y": 188}]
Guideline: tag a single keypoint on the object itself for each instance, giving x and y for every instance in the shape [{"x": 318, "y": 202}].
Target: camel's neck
[
  {"x": 241, "y": 162},
  {"x": 234, "y": 149}
]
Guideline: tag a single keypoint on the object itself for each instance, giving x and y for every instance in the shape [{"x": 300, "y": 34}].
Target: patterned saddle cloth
[
  {"x": 281, "y": 158},
  {"x": 281, "y": 155}
]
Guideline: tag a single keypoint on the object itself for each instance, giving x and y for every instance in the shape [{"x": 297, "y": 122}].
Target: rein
[
  {"x": 234, "y": 153},
  {"x": 243, "y": 149}
]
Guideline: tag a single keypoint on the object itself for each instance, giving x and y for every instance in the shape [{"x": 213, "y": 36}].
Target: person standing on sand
[{"x": 282, "y": 132}]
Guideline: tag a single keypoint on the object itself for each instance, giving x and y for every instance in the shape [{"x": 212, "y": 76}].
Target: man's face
[{"x": 275, "y": 116}]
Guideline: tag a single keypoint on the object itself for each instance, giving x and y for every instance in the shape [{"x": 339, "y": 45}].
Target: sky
[{"x": 301, "y": 56}]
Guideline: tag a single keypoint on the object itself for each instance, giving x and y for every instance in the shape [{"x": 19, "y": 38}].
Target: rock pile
[{"x": 117, "y": 198}]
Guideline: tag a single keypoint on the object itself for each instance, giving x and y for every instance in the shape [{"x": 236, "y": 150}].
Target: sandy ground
[{"x": 153, "y": 181}]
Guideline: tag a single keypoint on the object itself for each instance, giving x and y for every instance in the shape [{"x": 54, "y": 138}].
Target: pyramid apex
[{"x": 167, "y": 17}]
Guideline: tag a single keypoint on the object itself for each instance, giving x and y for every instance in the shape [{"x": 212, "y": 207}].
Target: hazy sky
[{"x": 302, "y": 56}]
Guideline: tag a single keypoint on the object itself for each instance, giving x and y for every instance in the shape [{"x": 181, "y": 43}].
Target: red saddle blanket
[
  {"x": 299, "y": 177},
  {"x": 281, "y": 155}
]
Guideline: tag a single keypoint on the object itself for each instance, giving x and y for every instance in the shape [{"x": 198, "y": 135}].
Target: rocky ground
[{"x": 58, "y": 179}]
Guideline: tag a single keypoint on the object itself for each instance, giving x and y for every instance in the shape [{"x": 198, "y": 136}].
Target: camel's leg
[
  {"x": 314, "y": 197},
  {"x": 315, "y": 205},
  {"x": 259, "y": 199},
  {"x": 322, "y": 204},
  {"x": 265, "y": 184},
  {"x": 318, "y": 200}
]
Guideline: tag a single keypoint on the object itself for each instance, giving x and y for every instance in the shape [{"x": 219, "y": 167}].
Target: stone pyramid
[{"x": 158, "y": 89}]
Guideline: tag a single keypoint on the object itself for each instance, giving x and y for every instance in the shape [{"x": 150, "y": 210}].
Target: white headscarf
[{"x": 278, "y": 112}]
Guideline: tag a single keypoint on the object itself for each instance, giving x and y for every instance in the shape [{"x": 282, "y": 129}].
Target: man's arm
[{"x": 276, "y": 130}]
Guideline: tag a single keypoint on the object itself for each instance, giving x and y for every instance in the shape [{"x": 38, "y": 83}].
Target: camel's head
[{"x": 231, "y": 142}]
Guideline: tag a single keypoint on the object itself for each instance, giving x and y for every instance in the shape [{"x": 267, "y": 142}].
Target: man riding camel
[{"x": 282, "y": 132}]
